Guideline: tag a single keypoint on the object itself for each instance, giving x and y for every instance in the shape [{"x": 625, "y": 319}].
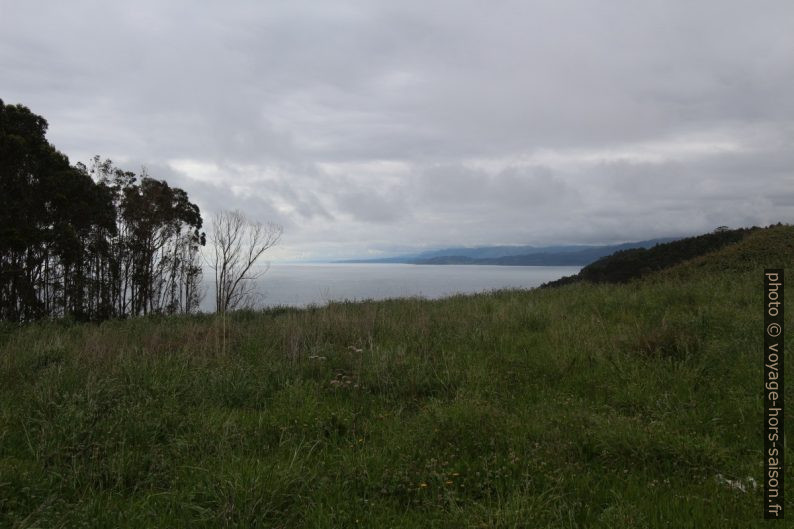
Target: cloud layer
[{"x": 369, "y": 127}]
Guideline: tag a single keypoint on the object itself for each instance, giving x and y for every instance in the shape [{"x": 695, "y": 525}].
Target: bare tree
[{"x": 237, "y": 244}]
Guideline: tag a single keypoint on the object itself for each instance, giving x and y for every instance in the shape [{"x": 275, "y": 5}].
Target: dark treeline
[
  {"x": 88, "y": 242},
  {"x": 626, "y": 265}
]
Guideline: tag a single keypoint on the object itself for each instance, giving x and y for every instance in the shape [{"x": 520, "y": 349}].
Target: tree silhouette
[{"x": 88, "y": 243}]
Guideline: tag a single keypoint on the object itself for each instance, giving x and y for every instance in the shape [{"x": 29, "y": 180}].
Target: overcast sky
[{"x": 373, "y": 127}]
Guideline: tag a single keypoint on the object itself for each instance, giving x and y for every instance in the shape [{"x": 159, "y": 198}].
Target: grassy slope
[
  {"x": 583, "y": 406},
  {"x": 627, "y": 265}
]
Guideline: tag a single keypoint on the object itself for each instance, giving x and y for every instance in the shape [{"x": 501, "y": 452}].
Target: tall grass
[{"x": 583, "y": 406}]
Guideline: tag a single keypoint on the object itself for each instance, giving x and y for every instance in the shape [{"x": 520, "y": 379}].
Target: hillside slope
[
  {"x": 626, "y": 265},
  {"x": 588, "y": 405},
  {"x": 771, "y": 247}
]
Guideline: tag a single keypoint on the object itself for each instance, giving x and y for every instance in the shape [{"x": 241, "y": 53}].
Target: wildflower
[{"x": 423, "y": 485}]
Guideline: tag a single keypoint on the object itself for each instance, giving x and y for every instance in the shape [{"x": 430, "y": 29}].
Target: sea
[{"x": 301, "y": 285}]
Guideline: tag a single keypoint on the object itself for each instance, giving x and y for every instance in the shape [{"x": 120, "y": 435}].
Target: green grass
[{"x": 584, "y": 406}]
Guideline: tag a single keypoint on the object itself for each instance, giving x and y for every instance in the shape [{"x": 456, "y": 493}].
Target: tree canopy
[{"x": 89, "y": 242}]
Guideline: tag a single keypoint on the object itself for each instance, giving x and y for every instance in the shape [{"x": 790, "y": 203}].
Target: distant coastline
[{"x": 578, "y": 255}]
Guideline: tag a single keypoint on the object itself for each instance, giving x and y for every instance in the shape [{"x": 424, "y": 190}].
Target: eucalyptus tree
[
  {"x": 89, "y": 243},
  {"x": 49, "y": 214}
]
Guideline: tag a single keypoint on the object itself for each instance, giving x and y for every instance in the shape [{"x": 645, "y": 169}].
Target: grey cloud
[
  {"x": 271, "y": 94},
  {"x": 514, "y": 187},
  {"x": 372, "y": 207}
]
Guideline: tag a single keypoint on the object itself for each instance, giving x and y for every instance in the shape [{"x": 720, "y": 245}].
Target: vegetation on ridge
[{"x": 625, "y": 265}]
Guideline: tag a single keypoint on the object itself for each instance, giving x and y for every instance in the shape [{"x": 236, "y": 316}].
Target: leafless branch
[{"x": 238, "y": 243}]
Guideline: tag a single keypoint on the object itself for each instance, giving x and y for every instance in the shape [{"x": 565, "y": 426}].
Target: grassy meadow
[{"x": 608, "y": 406}]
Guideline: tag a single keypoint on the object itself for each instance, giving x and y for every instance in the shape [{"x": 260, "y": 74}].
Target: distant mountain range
[{"x": 571, "y": 255}]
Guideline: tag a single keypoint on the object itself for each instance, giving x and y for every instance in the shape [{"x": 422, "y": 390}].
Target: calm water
[{"x": 305, "y": 284}]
